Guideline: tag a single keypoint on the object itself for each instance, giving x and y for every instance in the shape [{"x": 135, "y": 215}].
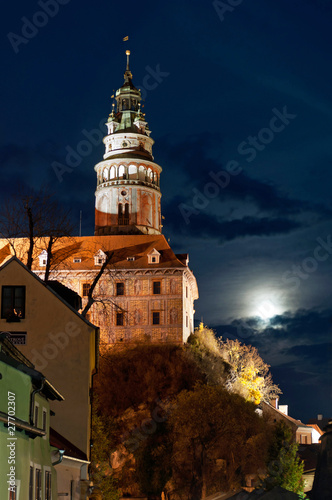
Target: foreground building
[{"x": 27, "y": 468}]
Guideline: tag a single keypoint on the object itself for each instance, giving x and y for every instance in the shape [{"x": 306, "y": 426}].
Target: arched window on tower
[
  {"x": 105, "y": 174},
  {"x": 122, "y": 172},
  {"x": 112, "y": 172},
  {"x": 132, "y": 172}
]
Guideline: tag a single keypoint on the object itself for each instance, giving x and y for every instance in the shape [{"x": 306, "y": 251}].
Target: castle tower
[{"x": 128, "y": 193}]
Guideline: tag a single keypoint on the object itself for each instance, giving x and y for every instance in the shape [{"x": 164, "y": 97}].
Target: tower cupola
[{"x": 128, "y": 180}]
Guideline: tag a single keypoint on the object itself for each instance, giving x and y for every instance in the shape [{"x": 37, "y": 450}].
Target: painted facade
[{"x": 27, "y": 469}]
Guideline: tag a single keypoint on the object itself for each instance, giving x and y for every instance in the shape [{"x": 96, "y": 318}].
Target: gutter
[{"x": 32, "y": 400}]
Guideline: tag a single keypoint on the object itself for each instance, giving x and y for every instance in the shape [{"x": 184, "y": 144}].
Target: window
[
  {"x": 13, "y": 303},
  {"x": 77, "y": 260},
  {"x": 156, "y": 288},
  {"x": 85, "y": 289},
  {"x": 120, "y": 288},
  {"x": 100, "y": 258},
  {"x": 44, "y": 419},
  {"x": 153, "y": 256},
  {"x": 31, "y": 483},
  {"x": 123, "y": 214},
  {"x": 156, "y": 318},
  {"x": 48, "y": 485},
  {"x": 130, "y": 259},
  {"x": 18, "y": 338},
  {"x": 43, "y": 258},
  {"x": 38, "y": 489},
  {"x": 119, "y": 319},
  {"x": 187, "y": 321},
  {"x": 13, "y": 493},
  {"x": 36, "y": 415},
  {"x": 186, "y": 292}
]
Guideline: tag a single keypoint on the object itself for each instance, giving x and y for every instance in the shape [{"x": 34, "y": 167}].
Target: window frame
[
  {"x": 119, "y": 322},
  {"x": 119, "y": 288},
  {"x": 13, "y": 304},
  {"x": 155, "y": 315},
  {"x": 84, "y": 287},
  {"x": 156, "y": 287}
]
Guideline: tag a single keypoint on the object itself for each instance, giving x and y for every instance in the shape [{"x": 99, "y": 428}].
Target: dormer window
[
  {"x": 42, "y": 258},
  {"x": 76, "y": 260},
  {"x": 100, "y": 258},
  {"x": 153, "y": 256}
]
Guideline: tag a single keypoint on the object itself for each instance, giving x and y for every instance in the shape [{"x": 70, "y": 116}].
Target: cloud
[{"x": 298, "y": 347}]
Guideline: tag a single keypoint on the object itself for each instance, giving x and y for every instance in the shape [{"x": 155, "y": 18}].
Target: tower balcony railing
[{"x": 122, "y": 182}]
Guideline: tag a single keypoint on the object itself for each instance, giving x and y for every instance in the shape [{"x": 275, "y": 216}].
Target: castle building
[{"x": 146, "y": 292}]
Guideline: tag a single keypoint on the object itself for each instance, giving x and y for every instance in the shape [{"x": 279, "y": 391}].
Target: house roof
[
  {"x": 294, "y": 421},
  {"x": 60, "y": 442},
  {"x": 10, "y": 355},
  {"x": 121, "y": 246},
  {"x": 15, "y": 259}
]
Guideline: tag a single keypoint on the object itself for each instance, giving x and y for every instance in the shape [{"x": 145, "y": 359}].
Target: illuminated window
[
  {"x": 120, "y": 289},
  {"x": 156, "y": 318},
  {"x": 119, "y": 319},
  {"x": 13, "y": 303},
  {"x": 156, "y": 288},
  {"x": 85, "y": 289}
]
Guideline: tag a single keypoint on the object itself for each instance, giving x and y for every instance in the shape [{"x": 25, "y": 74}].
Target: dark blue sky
[{"x": 239, "y": 104}]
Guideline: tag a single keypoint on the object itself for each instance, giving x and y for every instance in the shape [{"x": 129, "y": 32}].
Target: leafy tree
[
  {"x": 204, "y": 347},
  {"x": 284, "y": 467},
  {"x": 217, "y": 438},
  {"x": 249, "y": 374},
  {"x": 105, "y": 486},
  {"x": 153, "y": 462}
]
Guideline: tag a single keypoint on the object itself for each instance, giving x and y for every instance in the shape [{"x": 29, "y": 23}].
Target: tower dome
[{"x": 128, "y": 180}]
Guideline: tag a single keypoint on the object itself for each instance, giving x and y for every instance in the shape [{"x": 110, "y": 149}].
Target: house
[
  {"x": 58, "y": 341},
  {"x": 26, "y": 455}
]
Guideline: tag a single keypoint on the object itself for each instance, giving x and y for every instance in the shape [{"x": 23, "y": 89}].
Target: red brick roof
[{"x": 121, "y": 247}]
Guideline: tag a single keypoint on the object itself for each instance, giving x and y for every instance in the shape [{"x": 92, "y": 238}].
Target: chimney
[
  {"x": 283, "y": 409},
  {"x": 319, "y": 417},
  {"x": 274, "y": 403}
]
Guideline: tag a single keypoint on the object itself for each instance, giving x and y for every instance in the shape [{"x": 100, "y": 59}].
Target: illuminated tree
[
  {"x": 249, "y": 374},
  {"x": 284, "y": 467}
]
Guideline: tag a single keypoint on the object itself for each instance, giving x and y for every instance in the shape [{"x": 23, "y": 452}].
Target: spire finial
[{"x": 127, "y": 54}]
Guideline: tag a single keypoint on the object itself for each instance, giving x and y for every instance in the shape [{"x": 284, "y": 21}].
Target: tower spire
[{"x": 128, "y": 74}]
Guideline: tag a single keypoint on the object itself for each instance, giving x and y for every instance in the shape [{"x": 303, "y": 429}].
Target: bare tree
[{"x": 32, "y": 221}]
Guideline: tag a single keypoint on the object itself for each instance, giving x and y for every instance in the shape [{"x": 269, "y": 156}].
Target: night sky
[{"x": 238, "y": 99}]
